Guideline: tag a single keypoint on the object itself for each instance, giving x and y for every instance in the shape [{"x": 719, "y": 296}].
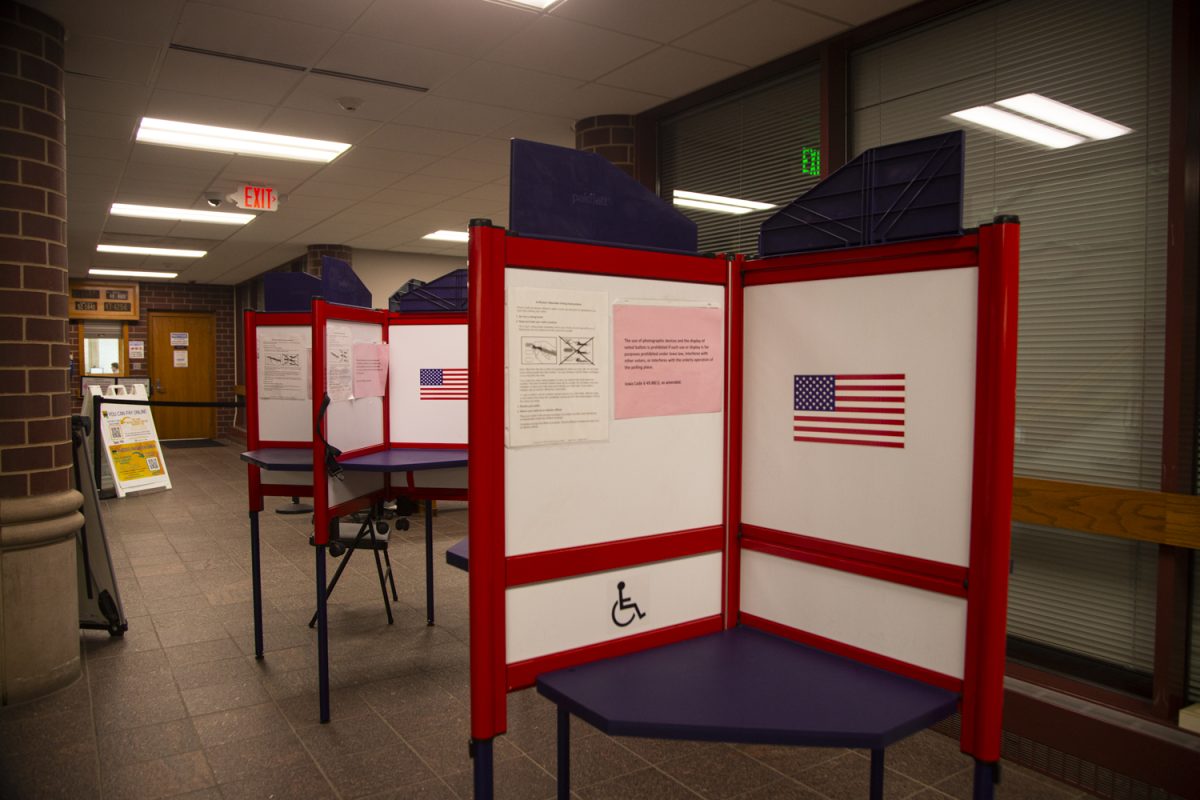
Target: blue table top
[
  {"x": 403, "y": 459},
  {"x": 284, "y": 459},
  {"x": 743, "y": 685},
  {"x": 291, "y": 459},
  {"x": 458, "y": 554}
]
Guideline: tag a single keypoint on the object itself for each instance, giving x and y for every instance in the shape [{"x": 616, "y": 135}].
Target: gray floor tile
[
  {"x": 118, "y": 748},
  {"x": 644, "y": 784},
  {"x": 161, "y": 777},
  {"x": 720, "y": 773},
  {"x": 848, "y": 777}
]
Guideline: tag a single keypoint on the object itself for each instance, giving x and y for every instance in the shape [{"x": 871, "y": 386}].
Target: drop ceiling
[{"x": 420, "y": 160}]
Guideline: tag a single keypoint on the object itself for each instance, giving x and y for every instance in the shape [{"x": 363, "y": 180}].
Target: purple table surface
[
  {"x": 743, "y": 685},
  {"x": 458, "y": 554},
  {"x": 403, "y": 459},
  {"x": 284, "y": 459}
]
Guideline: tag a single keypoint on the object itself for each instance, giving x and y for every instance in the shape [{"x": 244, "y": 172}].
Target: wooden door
[{"x": 183, "y": 367}]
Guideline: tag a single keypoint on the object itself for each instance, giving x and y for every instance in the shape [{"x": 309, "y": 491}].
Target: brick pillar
[
  {"x": 39, "y": 618},
  {"x": 312, "y": 259},
  {"x": 620, "y": 139}
]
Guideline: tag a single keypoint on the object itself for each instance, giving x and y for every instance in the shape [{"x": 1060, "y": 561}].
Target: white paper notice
[
  {"x": 283, "y": 366},
  {"x": 559, "y": 366},
  {"x": 339, "y": 373},
  {"x": 181, "y": 358}
]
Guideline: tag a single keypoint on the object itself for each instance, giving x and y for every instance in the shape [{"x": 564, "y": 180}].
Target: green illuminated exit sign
[{"x": 810, "y": 161}]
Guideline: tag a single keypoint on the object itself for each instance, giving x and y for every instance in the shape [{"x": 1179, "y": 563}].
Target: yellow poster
[{"x": 135, "y": 460}]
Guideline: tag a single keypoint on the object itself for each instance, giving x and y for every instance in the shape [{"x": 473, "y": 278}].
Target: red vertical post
[
  {"x": 991, "y": 506},
  {"x": 250, "y": 355},
  {"x": 485, "y": 473},
  {"x": 734, "y": 341},
  {"x": 320, "y": 433}
]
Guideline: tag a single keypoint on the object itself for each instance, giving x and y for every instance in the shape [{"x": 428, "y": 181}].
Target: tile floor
[{"x": 179, "y": 707}]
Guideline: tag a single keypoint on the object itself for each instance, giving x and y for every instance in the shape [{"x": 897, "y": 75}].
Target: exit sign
[{"x": 255, "y": 198}]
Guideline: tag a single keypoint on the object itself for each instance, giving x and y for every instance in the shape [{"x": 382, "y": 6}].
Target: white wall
[{"x": 383, "y": 272}]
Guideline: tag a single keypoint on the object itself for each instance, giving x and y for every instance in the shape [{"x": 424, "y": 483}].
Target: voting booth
[
  {"x": 352, "y": 407},
  {"x": 759, "y": 500}
]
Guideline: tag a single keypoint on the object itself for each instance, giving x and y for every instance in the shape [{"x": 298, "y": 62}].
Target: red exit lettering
[{"x": 257, "y": 198}]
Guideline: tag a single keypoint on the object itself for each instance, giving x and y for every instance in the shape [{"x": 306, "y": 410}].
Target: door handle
[{"x": 158, "y": 387}]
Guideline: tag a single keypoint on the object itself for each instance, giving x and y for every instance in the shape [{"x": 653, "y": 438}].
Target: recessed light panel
[
  {"x": 233, "y": 140},
  {"x": 149, "y": 251},
  {"x": 540, "y": 5},
  {"x": 448, "y": 236},
  {"x": 132, "y": 273},
  {"x": 1016, "y": 125},
  {"x": 714, "y": 202},
  {"x": 1064, "y": 116},
  {"x": 184, "y": 214}
]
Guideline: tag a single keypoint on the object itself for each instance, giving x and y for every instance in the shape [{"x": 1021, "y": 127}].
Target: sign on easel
[{"x": 131, "y": 447}]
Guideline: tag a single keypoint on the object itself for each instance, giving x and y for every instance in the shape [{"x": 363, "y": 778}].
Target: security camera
[{"x": 213, "y": 199}]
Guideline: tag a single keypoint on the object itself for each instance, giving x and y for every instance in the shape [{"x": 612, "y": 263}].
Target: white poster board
[
  {"x": 350, "y": 423},
  {"x": 652, "y": 475},
  {"x": 913, "y": 499},
  {"x": 284, "y": 383},
  {"x": 428, "y": 384},
  {"x": 131, "y": 447}
]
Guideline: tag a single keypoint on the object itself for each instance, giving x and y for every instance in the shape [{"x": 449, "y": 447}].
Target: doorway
[{"x": 183, "y": 368}]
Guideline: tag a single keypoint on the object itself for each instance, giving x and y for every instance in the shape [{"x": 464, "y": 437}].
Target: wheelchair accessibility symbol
[{"x": 624, "y": 604}]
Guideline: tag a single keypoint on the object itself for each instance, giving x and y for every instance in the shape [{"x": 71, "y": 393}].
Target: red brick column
[
  {"x": 618, "y": 138},
  {"x": 312, "y": 259},
  {"x": 39, "y": 517}
]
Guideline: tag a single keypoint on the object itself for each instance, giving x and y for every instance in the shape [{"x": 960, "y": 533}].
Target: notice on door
[
  {"x": 181, "y": 358},
  {"x": 559, "y": 366},
  {"x": 668, "y": 360},
  {"x": 179, "y": 339}
]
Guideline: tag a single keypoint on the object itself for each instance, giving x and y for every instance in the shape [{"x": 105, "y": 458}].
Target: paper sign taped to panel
[{"x": 668, "y": 360}]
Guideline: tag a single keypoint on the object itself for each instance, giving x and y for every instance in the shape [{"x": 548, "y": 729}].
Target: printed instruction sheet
[
  {"x": 283, "y": 365},
  {"x": 559, "y": 366},
  {"x": 668, "y": 360}
]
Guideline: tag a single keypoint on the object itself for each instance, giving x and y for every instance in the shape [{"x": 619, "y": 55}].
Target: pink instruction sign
[{"x": 668, "y": 360}]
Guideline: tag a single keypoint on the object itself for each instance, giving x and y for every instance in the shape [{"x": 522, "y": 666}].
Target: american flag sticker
[
  {"x": 849, "y": 409},
  {"x": 443, "y": 384}
]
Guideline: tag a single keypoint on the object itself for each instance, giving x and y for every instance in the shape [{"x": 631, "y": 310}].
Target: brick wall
[
  {"x": 35, "y": 447},
  {"x": 165, "y": 296},
  {"x": 611, "y": 136}
]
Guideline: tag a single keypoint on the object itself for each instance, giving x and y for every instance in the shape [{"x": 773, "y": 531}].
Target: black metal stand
[
  {"x": 322, "y": 636},
  {"x": 564, "y": 754},
  {"x": 428, "y": 562},
  {"x": 256, "y": 577},
  {"x": 481, "y": 754}
]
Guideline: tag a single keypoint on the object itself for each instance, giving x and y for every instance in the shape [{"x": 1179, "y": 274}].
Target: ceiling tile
[
  {"x": 539, "y": 128},
  {"x": 487, "y": 82},
  {"x": 392, "y": 61},
  {"x": 139, "y": 227},
  {"x": 478, "y": 171},
  {"x": 94, "y": 147},
  {"x": 195, "y": 179},
  {"x": 406, "y": 197},
  {"x": 320, "y": 93},
  {"x": 204, "y": 160},
  {"x": 110, "y": 97},
  {"x": 327, "y": 188},
  {"x": 471, "y": 207},
  {"x": 338, "y": 15},
  {"x": 851, "y": 12},
  {"x": 323, "y": 205},
  {"x": 660, "y": 20},
  {"x": 670, "y": 72},
  {"x": 760, "y": 32},
  {"x": 444, "y": 113},
  {"x": 360, "y": 176},
  {"x": 266, "y": 171},
  {"x": 450, "y": 187},
  {"x": 562, "y": 47},
  {"x": 219, "y": 77},
  {"x": 342, "y": 126},
  {"x": 206, "y": 109},
  {"x": 467, "y": 27},
  {"x": 595, "y": 98},
  {"x": 111, "y": 59},
  {"x": 227, "y": 30},
  {"x": 418, "y": 140},
  {"x": 101, "y": 125},
  {"x": 487, "y": 150},
  {"x": 144, "y": 21},
  {"x": 375, "y": 158},
  {"x": 85, "y": 165},
  {"x": 493, "y": 193}
]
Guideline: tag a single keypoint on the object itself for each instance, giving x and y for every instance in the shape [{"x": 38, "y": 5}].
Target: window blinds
[
  {"x": 750, "y": 145},
  {"x": 1093, "y": 264}
]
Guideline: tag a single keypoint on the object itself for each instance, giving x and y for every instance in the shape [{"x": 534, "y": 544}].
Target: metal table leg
[{"x": 256, "y": 577}]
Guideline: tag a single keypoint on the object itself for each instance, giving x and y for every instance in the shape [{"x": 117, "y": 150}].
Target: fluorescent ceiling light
[
  {"x": 233, "y": 140},
  {"x": 184, "y": 214},
  {"x": 132, "y": 273},
  {"x": 1018, "y": 126},
  {"x": 448, "y": 236},
  {"x": 539, "y": 4},
  {"x": 1064, "y": 116},
  {"x": 149, "y": 251},
  {"x": 750, "y": 205},
  {"x": 719, "y": 207}
]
